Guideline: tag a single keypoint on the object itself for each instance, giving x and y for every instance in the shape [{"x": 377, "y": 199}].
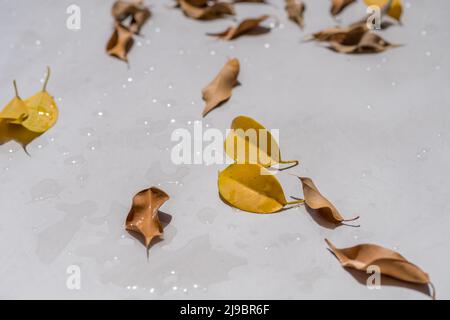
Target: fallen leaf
[
  {"x": 213, "y": 11},
  {"x": 41, "y": 109},
  {"x": 250, "y": 1},
  {"x": 295, "y": 10},
  {"x": 16, "y": 110},
  {"x": 393, "y": 8},
  {"x": 120, "y": 42},
  {"x": 219, "y": 90},
  {"x": 252, "y": 188},
  {"x": 247, "y": 26},
  {"x": 316, "y": 201},
  {"x": 391, "y": 263},
  {"x": 337, "y": 6},
  {"x": 369, "y": 43},
  {"x": 250, "y": 142},
  {"x": 143, "y": 217},
  {"x": 139, "y": 14},
  {"x": 346, "y": 35}
]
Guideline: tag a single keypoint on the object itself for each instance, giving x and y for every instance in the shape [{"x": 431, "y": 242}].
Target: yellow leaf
[
  {"x": 252, "y": 188},
  {"x": 396, "y": 7},
  {"x": 42, "y": 110},
  {"x": 250, "y": 142},
  {"x": 16, "y": 110}
]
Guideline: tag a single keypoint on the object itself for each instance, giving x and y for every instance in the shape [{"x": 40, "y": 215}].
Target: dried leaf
[
  {"x": 252, "y": 188},
  {"x": 393, "y": 8},
  {"x": 139, "y": 14},
  {"x": 295, "y": 10},
  {"x": 250, "y": 142},
  {"x": 213, "y": 11},
  {"x": 143, "y": 217},
  {"x": 369, "y": 43},
  {"x": 337, "y": 6},
  {"x": 316, "y": 201},
  {"x": 41, "y": 109},
  {"x": 120, "y": 42},
  {"x": 247, "y": 26},
  {"x": 391, "y": 263},
  {"x": 250, "y": 1},
  {"x": 219, "y": 90},
  {"x": 345, "y": 35},
  {"x": 16, "y": 110}
]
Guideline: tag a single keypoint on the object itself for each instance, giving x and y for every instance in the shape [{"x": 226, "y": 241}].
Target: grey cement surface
[{"x": 371, "y": 130}]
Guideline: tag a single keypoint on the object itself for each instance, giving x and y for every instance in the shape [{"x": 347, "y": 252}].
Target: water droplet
[
  {"x": 267, "y": 45},
  {"x": 369, "y": 107},
  {"x": 172, "y": 120},
  {"x": 100, "y": 113},
  {"x": 130, "y": 79},
  {"x": 174, "y": 288},
  {"x": 428, "y": 53},
  {"x": 368, "y": 69},
  {"x": 423, "y": 32},
  {"x": 38, "y": 42},
  {"x": 394, "y": 83},
  {"x": 212, "y": 52}
]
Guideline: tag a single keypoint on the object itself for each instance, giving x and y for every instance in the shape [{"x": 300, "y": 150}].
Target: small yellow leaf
[
  {"x": 250, "y": 142},
  {"x": 394, "y": 10},
  {"x": 16, "y": 110},
  {"x": 252, "y": 188},
  {"x": 42, "y": 110}
]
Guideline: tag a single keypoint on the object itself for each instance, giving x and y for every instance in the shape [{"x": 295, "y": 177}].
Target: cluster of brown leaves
[
  {"x": 129, "y": 18},
  {"x": 357, "y": 37}
]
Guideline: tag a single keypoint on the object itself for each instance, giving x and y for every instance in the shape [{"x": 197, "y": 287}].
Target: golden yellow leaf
[
  {"x": 391, "y": 263},
  {"x": 250, "y": 142},
  {"x": 143, "y": 217},
  {"x": 42, "y": 110},
  {"x": 337, "y": 6},
  {"x": 16, "y": 110},
  {"x": 316, "y": 201},
  {"x": 295, "y": 10},
  {"x": 394, "y": 9},
  {"x": 209, "y": 12},
  {"x": 247, "y": 26},
  {"x": 252, "y": 188},
  {"x": 219, "y": 90}
]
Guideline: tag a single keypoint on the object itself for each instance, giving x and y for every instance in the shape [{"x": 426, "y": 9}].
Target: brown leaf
[
  {"x": 143, "y": 217},
  {"x": 337, "y": 6},
  {"x": 120, "y": 42},
  {"x": 368, "y": 43},
  {"x": 246, "y": 26},
  {"x": 139, "y": 14},
  {"x": 219, "y": 90},
  {"x": 295, "y": 10},
  {"x": 213, "y": 11},
  {"x": 350, "y": 35},
  {"x": 316, "y": 201},
  {"x": 391, "y": 263}
]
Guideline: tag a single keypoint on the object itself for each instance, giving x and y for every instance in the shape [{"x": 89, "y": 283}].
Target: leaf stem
[
  {"x": 44, "y": 87},
  {"x": 299, "y": 201},
  {"x": 15, "y": 88},
  {"x": 294, "y": 163}
]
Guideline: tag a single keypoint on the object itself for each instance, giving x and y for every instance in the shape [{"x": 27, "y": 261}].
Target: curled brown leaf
[
  {"x": 316, "y": 201},
  {"x": 337, "y": 6},
  {"x": 120, "y": 42},
  {"x": 139, "y": 14},
  {"x": 143, "y": 217},
  {"x": 368, "y": 43},
  {"x": 391, "y": 263},
  {"x": 247, "y": 26},
  {"x": 219, "y": 90},
  {"x": 295, "y": 10},
  {"x": 209, "y": 12}
]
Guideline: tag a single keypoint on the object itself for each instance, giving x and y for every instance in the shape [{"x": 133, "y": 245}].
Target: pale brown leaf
[
  {"x": 120, "y": 42},
  {"x": 316, "y": 201},
  {"x": 295, "y": 10},
  {"x": 209, "y": 12},
  {"x": 219, "y": 90},
  {"x": 337, "y": 6},
  {"x": 391, "y": 263},
  {"x": 246, "y": 26},
  {"x": 143, "y": 217}
]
